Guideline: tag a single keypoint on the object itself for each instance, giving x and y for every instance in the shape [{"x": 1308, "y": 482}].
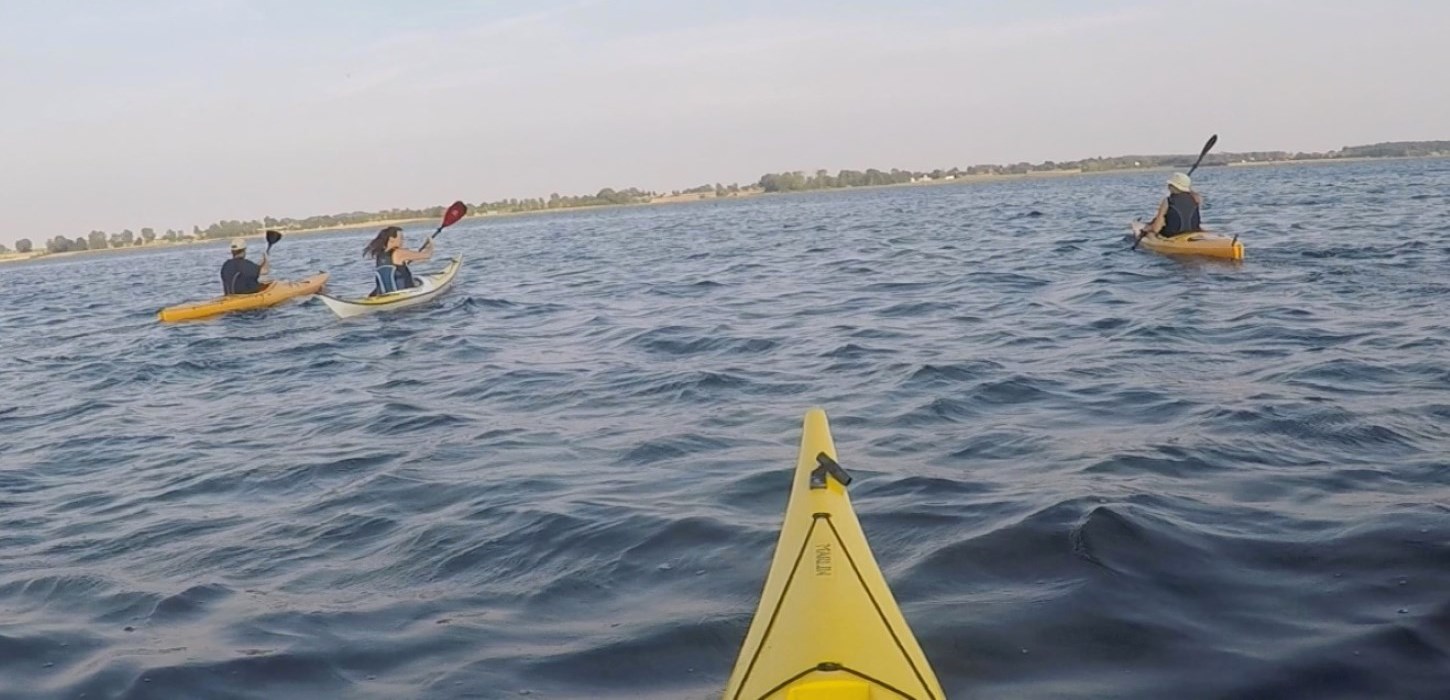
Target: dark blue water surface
[{"x": 1088, "y": 473}]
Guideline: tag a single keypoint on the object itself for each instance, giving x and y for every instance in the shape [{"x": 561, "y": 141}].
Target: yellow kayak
[
  {"x": 1204, "y": 243},
  {"x": 271, "y": 295},
  {"x": 827, "y": 627}
]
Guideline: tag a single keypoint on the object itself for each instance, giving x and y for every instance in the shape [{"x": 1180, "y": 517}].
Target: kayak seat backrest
[{"x": 387, "y": 281}]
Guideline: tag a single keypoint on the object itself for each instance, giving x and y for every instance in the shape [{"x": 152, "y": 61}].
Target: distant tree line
[
  {"x": 716, "y": 189},
  {"x": 100, "y": 240},
  {"x": 1396, "y": 149},
  {"x": 793, "y": 181},
  {"x": 796, "y": 181},
  {"x": 605, "y": 197}
]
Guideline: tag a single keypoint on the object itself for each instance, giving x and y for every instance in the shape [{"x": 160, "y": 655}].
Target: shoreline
[
  {"x": 683, "y": 199},
  {"x": 39, "y": 255},
  {"x": 347, "y": 227}
]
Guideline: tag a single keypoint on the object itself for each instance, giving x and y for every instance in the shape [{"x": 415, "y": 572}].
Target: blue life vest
[{"x": 391, "y": 278}]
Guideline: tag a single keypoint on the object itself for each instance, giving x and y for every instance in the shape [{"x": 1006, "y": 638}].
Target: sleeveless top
[{"x": 1182, "y": 215}]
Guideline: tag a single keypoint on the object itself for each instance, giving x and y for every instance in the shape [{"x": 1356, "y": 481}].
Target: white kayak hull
[{"x": 430, "y": 286}]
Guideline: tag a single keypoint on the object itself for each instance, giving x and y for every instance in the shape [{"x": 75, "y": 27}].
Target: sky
[{"x": 174, "y": 113}]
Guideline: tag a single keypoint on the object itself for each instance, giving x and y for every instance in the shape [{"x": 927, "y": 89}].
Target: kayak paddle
[
  {"x": 450, "y": 217},
  {"x": 272, "y": 238},
  {"x": 1206, "y": 148}
]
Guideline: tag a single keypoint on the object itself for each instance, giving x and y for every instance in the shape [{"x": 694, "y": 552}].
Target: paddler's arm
[
  {"x": 265, "y": 267},
  {"x": 1156, "y": 224},
  {"x": 402, "y": 255}
]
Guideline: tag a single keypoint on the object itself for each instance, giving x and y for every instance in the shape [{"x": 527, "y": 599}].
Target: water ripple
[{"x": 1087, "y": 472}]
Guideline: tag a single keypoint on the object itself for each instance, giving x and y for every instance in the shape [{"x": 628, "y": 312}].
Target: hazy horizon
[{"x": 173, "y": 114}]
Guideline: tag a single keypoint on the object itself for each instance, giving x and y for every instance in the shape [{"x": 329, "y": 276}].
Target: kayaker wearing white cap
[
  {"x": 1178, "y": 212},
  {"x": 240, "y": 275}
]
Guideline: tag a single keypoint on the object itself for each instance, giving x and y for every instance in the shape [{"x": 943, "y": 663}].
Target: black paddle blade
[
  {"x": 273, "y": 237},
  {"x": 1206, "y": 148}
]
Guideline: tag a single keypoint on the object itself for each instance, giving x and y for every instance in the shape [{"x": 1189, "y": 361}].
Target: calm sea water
[{"x": 1088, "y": 473}]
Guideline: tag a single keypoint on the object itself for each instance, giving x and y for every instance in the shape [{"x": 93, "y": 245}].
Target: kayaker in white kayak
[
  {"x": 390, "y": 260},
  {"x": 240, "y": 275},
  {"x": 1178, "y": 212}
]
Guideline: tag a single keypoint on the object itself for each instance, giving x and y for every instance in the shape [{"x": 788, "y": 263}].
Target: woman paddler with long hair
[{"x": 390, "y": 260}]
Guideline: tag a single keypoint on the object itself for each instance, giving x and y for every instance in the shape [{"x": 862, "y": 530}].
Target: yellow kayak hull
[
  {"x": 274, "y": 294},
  {"x": 827, "y": 627},
  {"x": 1202, "y": 243}
]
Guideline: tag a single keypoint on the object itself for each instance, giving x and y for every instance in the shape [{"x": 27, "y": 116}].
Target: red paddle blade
[{"x": 453, "y": 214}]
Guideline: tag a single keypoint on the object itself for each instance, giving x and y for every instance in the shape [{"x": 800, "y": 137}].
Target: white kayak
[{"x": 428, "y": 287}]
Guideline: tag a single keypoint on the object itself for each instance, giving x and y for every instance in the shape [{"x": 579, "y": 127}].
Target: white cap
[
  {"x": 1180, "y": 182},
  {"x": 239, "y": 244}
]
